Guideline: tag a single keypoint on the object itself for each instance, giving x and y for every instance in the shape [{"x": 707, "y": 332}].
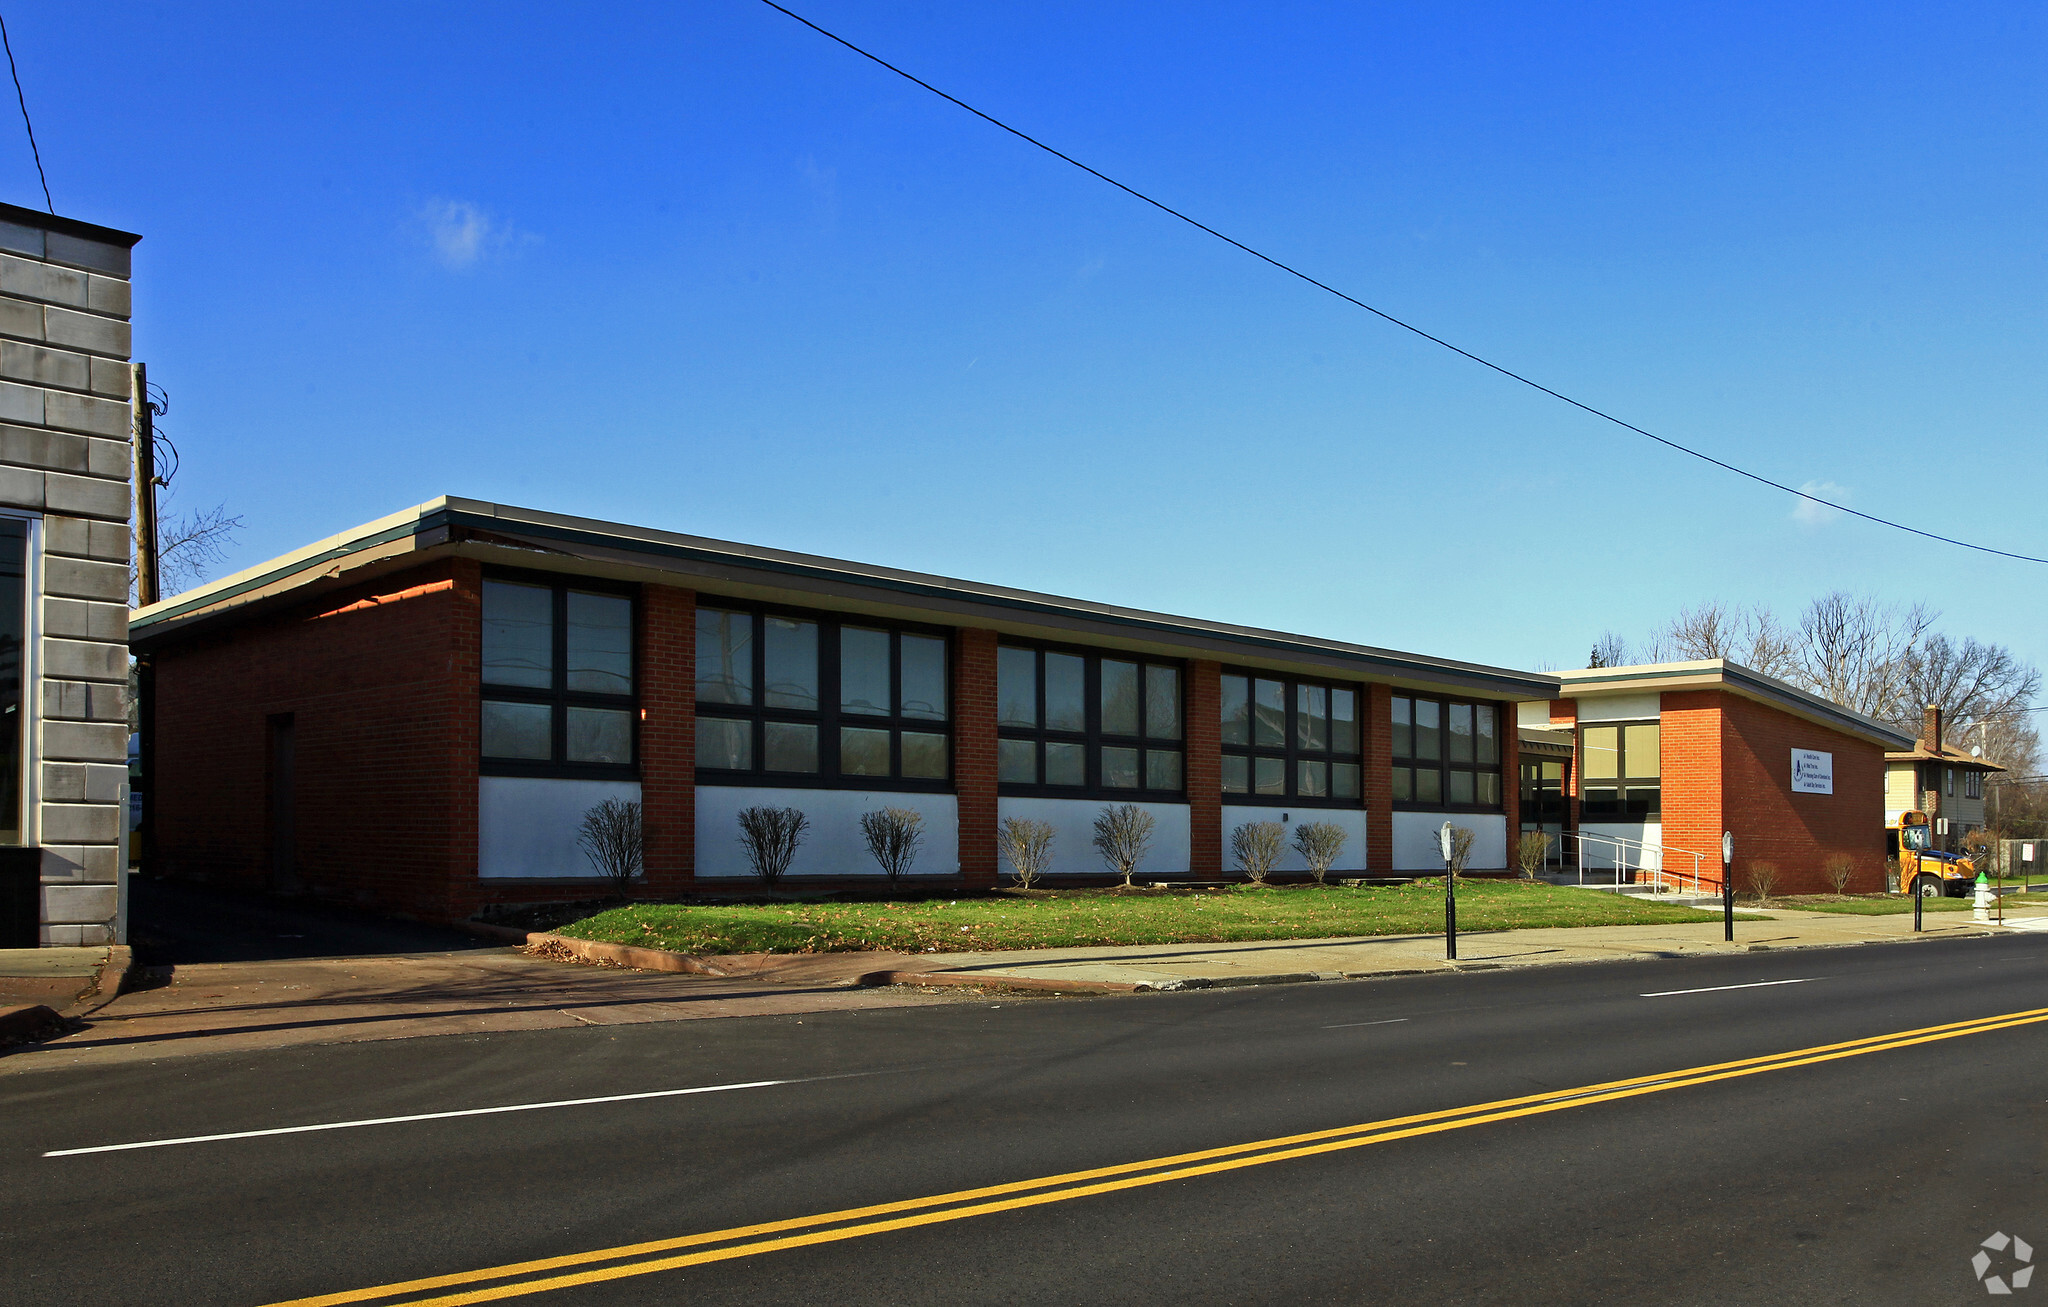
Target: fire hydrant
[{"x": 1984, "y": 898}]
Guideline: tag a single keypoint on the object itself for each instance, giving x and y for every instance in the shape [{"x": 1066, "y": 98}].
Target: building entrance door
[{"x": 1544, "y": 806}]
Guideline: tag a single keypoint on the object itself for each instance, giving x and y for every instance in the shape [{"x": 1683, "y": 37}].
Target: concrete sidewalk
[
  {"x": 243, "y": 1005},
  {"x": 239, "y": 1006},
  {"x": 1197, "y": 966}
]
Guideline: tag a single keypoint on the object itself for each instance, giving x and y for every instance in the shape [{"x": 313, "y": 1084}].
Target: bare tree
[
  {"x": 1751, "y": 636},
  {"x": 190, "y": 546},
  {"x": 1319, "y": 843},
  {"x": 610, "y": 838},
  {"x": 1531, "y": 851},
  {"x": 1610, "y": 650},
  {"x": 893, "y": 836},
  {"x": 771, "y": 837},
  {"x": 1027, "y": 846},
  {"x": 1122, "y": 834},
  {"x": 1257, "y": 846},
  {"x": 1853, "y": 650}
]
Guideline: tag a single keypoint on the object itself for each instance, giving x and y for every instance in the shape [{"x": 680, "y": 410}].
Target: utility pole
[{"x": 147, "y": 590}]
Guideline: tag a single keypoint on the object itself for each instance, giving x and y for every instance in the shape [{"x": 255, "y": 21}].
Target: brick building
[
  {"x": 1665, "y": 758},
  {"x": 65, "y": 491},
  {"x": 417, "y": 713}
]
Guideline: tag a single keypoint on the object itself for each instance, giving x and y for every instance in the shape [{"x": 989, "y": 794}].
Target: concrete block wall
[{"x": 65, "y": 458}]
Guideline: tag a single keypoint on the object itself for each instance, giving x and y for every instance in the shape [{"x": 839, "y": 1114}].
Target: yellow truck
[{"x": 1925, "y": 871}]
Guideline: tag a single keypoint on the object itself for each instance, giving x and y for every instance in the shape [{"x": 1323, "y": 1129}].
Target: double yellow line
[{"x": 544, "y": 1275}]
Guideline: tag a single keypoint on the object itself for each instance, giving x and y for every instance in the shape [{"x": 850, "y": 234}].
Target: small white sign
[
  {"x": 2026, "y": 853},
  {"x": 1812, "y": 773}
]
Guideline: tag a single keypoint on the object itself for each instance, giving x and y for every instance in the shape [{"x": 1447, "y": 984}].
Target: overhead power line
[
  {"x": 1388, "y": 317},
  {"x": 15, "y": 73}
]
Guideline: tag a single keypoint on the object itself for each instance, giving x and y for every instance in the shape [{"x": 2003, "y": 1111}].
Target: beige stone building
[{"x": 66, "y": 486}]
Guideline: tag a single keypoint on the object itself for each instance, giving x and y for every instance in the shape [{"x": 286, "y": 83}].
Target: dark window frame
[
  {"x": 1443, "y": 764},
  {"x": 828, "y": 717},
  {"x": 1092, "y": 737},
  {"x": 1289, "y": 749},
  {"x": 559, "y": 697},
  {"x": 1621, "y": 780}
]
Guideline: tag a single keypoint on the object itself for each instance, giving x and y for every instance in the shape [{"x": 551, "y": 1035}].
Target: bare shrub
[
  {"x": 1839, "y": 868},
  {"x": 1122, "y": 834},
  {"x": 1762, "y": 878},
  {"x": 1461, "y": 849},
  {"x": 1257, "y": 846},
  {"x": 771, "y": 837},
  {"x": 1319, "y": 843},
  {"x": 1027, "y": 846},
  {"x": 1531, "y": 852},
  {"x": 893, "y": 836},
  {"x": 610, "y": 838}
]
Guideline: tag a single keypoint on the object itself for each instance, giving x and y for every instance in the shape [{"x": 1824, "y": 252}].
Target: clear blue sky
[{"x": 691, "y": 266}]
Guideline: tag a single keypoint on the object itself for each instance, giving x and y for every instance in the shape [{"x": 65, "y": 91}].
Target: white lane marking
[
  {"x": 422, "y": 1116},
  {"x": 1348, "y": 1025},
  {"x": 1715, "y": 989}
]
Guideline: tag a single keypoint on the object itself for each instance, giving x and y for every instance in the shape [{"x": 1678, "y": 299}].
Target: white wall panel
[
  {"x": 833, "y": 845},
  {"x": 1350, "y": 862},
  {"x": 1620, "y": 708},
  {"x": 1415, "y": 846},
  {"x": 1073, "y": 824},
  {"x": 526, "y": 825}
]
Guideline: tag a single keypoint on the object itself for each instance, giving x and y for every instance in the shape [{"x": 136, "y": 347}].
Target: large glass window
[
  {"x": 1289, "y": 741},
  {"x": 1088, "y": 723},
  {"x": 1620, "y": 771},
  {"x": 1446, "y": 753},
  {"x": 809, "y": 700},
  {"x": 557, "y": 672}
]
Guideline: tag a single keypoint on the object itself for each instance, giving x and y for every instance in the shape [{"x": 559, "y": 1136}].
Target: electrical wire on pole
[{"x": 1292, "y": 271}]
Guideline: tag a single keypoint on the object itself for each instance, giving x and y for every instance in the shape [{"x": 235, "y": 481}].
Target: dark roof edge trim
[
  {"x": 1790, "y": 695},
  {"x": 171, "y": 610},
  {"x": 442, "y": 515},
  {"x": 67, "y": 226},
  {"x": 1417, "y": 669}
]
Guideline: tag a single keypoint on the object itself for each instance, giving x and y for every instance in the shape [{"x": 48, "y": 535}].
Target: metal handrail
[{"x": 1642, "y": 872}]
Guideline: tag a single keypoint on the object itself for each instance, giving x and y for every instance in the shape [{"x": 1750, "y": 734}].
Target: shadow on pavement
[{"x": 174, "y": 924}]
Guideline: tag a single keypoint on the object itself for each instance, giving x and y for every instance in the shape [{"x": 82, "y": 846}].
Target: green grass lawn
[
  {"x": 1869, "y": 907},
  {"x": 1079, "y": 918}
]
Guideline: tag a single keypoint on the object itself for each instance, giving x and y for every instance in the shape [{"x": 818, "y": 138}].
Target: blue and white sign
[{"x": 1812, "y": 773}]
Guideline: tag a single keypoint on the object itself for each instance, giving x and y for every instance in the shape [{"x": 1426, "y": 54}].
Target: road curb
[{"x": 1038, "y": 984}]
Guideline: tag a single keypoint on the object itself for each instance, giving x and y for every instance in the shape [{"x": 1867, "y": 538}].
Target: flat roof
[
  {"x": 1724, "y": 674},
  {"x": 506, "y": 536},
  {"x": 91, "y": 231}
]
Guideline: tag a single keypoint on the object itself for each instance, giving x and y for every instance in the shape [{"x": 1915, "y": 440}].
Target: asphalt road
[{"x": 1867, "y": 1177}]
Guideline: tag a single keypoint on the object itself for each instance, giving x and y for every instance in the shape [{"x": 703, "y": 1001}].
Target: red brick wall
[
  {"x": 1511, "y": 777},
  {"x": 974, "y": 752},
  {"x": 1564, "y": 716},
  {"x": 1205, "y": 769},
  {"x": 1797, "y": 832},
  {"x": 381, "y": 684},
  {"x": 1694, "y": 807},
  {"x": 668, "y": 736},
  {"x": 1379, "y": 780}
]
